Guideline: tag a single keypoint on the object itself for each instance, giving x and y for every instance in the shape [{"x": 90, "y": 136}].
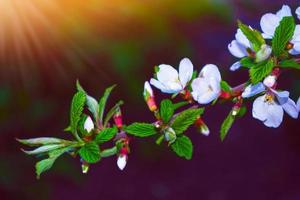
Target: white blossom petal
[
  {"x": 275, "y": 116},
  {"x": 252, "y": 90},
  {"x": 290, "y": 108},
  {"x": 259, "y": 108},
  {"x": 296, "y": 48},
  {"x": 264, "y": 53},
  {"x": 235, "y": 66},
  {"x": 88, "y": 124},
  {"x": 167, "y": 73},
  {"x": 296, "y": 35},
  {"x": 148, "y": 89},
  {"x": 282, "y": 96},
  {"x": 298, "y": 104},
  {"x": 298, "y": 12},
  {"x": 122, "y": 161},
  {"x": 205, "y": 90},
  {"x": 185, "y": 71},
  {"x": 284, "y": 11},
  {"x": 242, "y": 39},
  {"x": 269, "y": 81},
  {"x": 237, "y": 49},
  {"x": 210, "y": 71},
  {"x": 268, "y": 24},
  {"x": 157, "y": 84}
]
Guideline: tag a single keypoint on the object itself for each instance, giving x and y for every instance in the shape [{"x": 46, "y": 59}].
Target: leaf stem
[{"x": 109, "y": 152}]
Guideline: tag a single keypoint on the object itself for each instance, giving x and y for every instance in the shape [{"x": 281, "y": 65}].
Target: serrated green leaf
[
  {"x": 289, "y": 64},
  {"x": 76, "y": 109},
  {"x": 112, "y": 111},
  {"x": 247, "y": 62},
  {"x": 106, "y": 135},
  {"x": 226, "y": 125},
  {"x": 225, "y": 86},
  {"x": 90, "y": 152},
  {"x": 141, "y": 129},
  {"x": 261, "y": 70},
  {"x": 186, "y": 118},
  {"x": 180, "y": 104},
  {"x": 44, "y": 149},
  {"x": 252, "y": 35},
  {"x": 46, "y": 164},
  {"x": 42, "y": 141},
  {"x": 166, "y": 110},
  {"x": 183, "y": 147},
  {"x": 103, "y": 101},
  {"x": 283, "y": 33}
]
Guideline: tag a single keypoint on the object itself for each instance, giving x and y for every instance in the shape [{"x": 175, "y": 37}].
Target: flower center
[{"x": 269, "y": 99}]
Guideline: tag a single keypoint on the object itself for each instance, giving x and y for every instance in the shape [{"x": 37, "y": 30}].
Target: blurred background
[{"x": 45, "y": 45}]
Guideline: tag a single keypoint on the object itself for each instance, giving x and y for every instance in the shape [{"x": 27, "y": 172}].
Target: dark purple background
[{"x": 254, "y": 162}]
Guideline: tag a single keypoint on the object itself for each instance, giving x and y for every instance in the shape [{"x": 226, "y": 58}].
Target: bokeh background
[{"x": 45, "y": 45}]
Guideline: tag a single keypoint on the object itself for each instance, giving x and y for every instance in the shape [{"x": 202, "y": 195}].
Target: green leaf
[
  {"x": 81, "y": 125},
  {"x": 283, "y": 33},
  {"x": 90, "y": 152},
  {"x": 225, "y": 86},
  {"x": 111, "y": 112},
  {"x": 46, "y": 164},
  {"x": 183, "y": 147},
  {"x": 186, "y": 118},
  {"x": 44, "y": 149},
  {"x": 247, "y": 62},
  {"x": 289, "y": 64},
  {"x": 261, "y": 70},
  {"x": 42, "y": 141},
  {"x": 166, "y": 110},
  {"x": 180, "y": 104},
  {"x": 252, "y": 35},
  {"x": 106, "y": 135},
  {"x": 242, "y": 111},
  {"x": 103, "y": 101},
  {"x": 141, "y": 129},
  {"x": 226, "y": 125},
  {"x": 76, "y": 109}
]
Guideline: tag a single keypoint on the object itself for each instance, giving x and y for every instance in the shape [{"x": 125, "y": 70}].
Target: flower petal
[
  {"x": 88, "y": 124},
  {"x": 296, "y": 36},
  {"x": 210, "y": 71},
  {"x": 259, "y": 108},
  {"x": 290, "y": 108},
  {"x": 275, "y": 115},
  {"x": 284, "y": 11},
  {"x": 268, "y": 24},
  {"x": 269, "y": 81},
  {"x": 157, "y": 84},
  {"x": 264, "y": 53},
  {"x": 252, "y": 90},
  {"x": 205, "y": 90},
  {"x": 298, "y": 12},
  {"x": 147, "y": 89},
  {"x": 242, "y": 39},
  {"x": 298, "y": 104},
  {"x": 185, "y": 71},
  {"x": 235, "y": 66},
  {"x": 282, "y": 96},
  {"x": 237, "y": 50},
  {"x": 167, "y": 73},
  {"x": 168, "y": 87},
  {"x": 296, "y": 48},
  {"x": 122, "y": 161}
]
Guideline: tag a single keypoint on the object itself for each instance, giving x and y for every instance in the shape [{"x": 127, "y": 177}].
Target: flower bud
[
  {"x": 170, "y": 135},
  {"x": 122, "y": 161},
  {"x": 264, "y": 53},
  {"x": 201, "y": 126},
  {"x": 270, "y": 81},
  {"x": 149, "y": 97},
  {"x": 88, "y": 124},
  {"x": 237, "y": 107},
  {"x": 84, "y": 166},
  {"x": 118, "y": 118}
]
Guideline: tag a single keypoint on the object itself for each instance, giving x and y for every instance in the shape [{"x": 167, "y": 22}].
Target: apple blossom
[
  {"x": 169, "y": 80},
  {"x": 206, "y": 87}
]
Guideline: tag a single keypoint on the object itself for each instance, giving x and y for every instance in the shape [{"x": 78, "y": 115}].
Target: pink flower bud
[
  {"x": 149, "y": 97},
  {"x": 118, "y": 118},
  {"x": 202, "y": 127}
]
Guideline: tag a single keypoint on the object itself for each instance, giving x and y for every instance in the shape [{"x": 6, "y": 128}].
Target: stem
[{"x": 109, "y": 152}]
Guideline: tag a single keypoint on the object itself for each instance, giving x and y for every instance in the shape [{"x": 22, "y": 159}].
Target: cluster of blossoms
[{"x": 264, "y": 54}]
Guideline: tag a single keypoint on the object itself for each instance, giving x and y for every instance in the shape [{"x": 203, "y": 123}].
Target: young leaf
[
  {"x": 283, "y": 33},
  {"x": 76, "y": 109},
  {"x": 247, "y": 62},
  {"x": 180, "y": 104},
  {"x": 289, "y": 64},
  {"x": 261, "y": 70},
  {"x": 44, "y": 149},
  {"x": 106, "y": 135},
  {"x": 141, "y": 129},
  {"x": 42, "y": 141},
  {"x": 183, "y": 147},
  {"x": 226, "y": 125},
  {"x": 252, "y": 35},
  {"x": 186, "y": 118},
  {"x": 90, "y": 152},
  {"x": 103, "y": 101},
  {"x": 46, "y": 164},
  {"x": 111, "y": 112},
  {"x": 166, "y": 110},
  {"x": 225, "y": 86}
]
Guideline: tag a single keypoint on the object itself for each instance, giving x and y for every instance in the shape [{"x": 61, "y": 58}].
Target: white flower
[
  {"x": 122, "y": 161},
  {"x": 298, "y": 12},
  {"x": 270, "y": 110},
  {"x": 269, "y": 22},
  {"x": 88, "y": 124},
  {"x": 264, "y": 53},
  {"x": 298, "y": 104},
  {"x": 270, "y": 81},
  {"x": 239, "y": 47},
  {"x": 206, "y": 87},
  {"x": 169, "y": 80}
]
